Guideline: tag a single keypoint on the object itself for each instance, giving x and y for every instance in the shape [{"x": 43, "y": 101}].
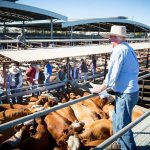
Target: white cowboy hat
[{"x": 116, "y": 31}]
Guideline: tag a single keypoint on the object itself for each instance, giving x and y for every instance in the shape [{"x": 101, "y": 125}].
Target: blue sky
[{"x": 137, "y": 10}]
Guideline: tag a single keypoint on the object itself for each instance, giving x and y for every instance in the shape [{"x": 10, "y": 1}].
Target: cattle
[
  {"x": 36, "y": 108},
  {"x": 84, "y": 114},
  {"x": 98, "y": 101},
  {"x": 38, "y": 141},
  {"x": 108, "y": 109},
  {"x": 96, "y": 133},
  {"x": 56, "y": 124},
  {"x": 72, "y": 96},
  {"x": 67, "y": 113},
  {"x": 52, "y": 101},
  {"x": 90, "y": 104},
  {"x": 136, "y": 113},
  {"x": 4, "y": 107},
  {"x": 12, "y": 114},
  {"x": 73, "y": 142},
  {"x": 6, "y": 134},
  {"x": 32, "y": 99},
  {"x": 23, "y": 131}
]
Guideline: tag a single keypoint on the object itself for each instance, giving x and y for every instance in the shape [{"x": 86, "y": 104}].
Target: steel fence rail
[
  {"x": 42, "y": 113},
  {"x": 144, "y": 76},
  {"x": 38, "y": 89},
  {"x": 114, "y": 137},
  {"x": 43, "y": 87}
]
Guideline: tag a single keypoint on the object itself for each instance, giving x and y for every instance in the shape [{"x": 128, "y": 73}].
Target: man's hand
[{"x": 98, "y": 88}]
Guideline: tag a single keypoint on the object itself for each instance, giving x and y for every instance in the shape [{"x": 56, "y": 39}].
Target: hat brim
[{"x": 107, "y": 35}]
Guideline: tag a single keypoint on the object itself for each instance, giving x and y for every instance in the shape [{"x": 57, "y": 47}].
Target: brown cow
[
  {"x": 84, "y": 114},
  {"x": 67, "y": 113},
  {"x": 90, "y": 104},
  {"x": 136, "y": 113},
  {"x": 56, "y": 124},
  {"x": 12, "y": 114},
  {"x": 23, "y": 131},
  {"x": 96, "y": 133},
  {"x": 108, "y": 109},
  {"x": 39, "y": 141},
  {"x": 6, "y": 134},
  {"x": 13, "y": 106}
]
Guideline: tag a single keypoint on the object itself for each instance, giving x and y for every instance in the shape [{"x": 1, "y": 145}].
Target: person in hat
[
  {"x": 14, "y": 82},
  {"x": 122, "y": 77}
]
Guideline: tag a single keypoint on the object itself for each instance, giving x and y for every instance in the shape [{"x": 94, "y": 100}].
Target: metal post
[
  {"x": 142, "y": 94},
  {"x": 147, "y": 61},
  {"x": 68, "y": 72},
  {"x": 51, "y": 28},
  {"x": 99, "y": 29},
  {"x": 105, "y": 65},
  {"x": 4, "y": 30},
  {"x": 23, "y": 30},
  {"x": 71, "y": 34}
]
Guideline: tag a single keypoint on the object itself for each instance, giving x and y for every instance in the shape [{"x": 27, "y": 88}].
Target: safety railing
[
  {"x": 117, "y": 135},
  {"x": 42, "y": 113},
  {"x": 64, "y": 42},
  {"x": 43, "y": 87}
]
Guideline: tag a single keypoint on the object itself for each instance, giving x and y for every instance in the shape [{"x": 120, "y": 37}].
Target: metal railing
[
  {"x": 42, "y": 113},
  {"x": 114, "y": 137},
  {"x": 66, "y": 42},
  {"x": 43, "y": 87}
]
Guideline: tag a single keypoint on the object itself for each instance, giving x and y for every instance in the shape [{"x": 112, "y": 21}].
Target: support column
[
  {"x": 51, "y": 29},
  {"x": 71, "y": 30},
  {"x": 147, "y": 59},
  {"x": 4, "y": 30},
  {"x": 105, "y": 67},
  {"x": 23, "y": 29},
  {"x": 68, "y": 72}
]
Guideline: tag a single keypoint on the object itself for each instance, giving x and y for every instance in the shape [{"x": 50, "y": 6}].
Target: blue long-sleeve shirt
[
  {"x": 48, "y": 69},
  {"x": 123, "y": 69}
]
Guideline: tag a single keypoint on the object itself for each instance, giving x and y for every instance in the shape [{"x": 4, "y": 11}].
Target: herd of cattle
[{"x": 83, "y": 125}]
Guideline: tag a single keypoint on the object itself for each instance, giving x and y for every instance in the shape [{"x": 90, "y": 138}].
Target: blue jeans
[{"x": 122, "y": 116}]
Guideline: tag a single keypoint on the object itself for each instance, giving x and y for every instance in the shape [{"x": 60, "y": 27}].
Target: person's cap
[
  {"x": 38, "y": 66},
  {"x": 116, "y": 31}
]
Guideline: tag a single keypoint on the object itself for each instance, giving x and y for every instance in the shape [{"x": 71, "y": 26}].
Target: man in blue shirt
[
  {"x": 47, "y": 71},
  {"x": 122, "y": 77}
]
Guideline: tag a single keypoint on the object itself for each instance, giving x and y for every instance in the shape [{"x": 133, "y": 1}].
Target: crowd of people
[{"x": 37, "y": 74}]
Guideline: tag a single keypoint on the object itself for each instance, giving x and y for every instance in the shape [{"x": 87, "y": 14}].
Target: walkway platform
[{"x": 142, "y": 133}]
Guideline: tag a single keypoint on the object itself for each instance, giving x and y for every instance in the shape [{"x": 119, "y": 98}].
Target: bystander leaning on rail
[{"x": 122, "y": 77}]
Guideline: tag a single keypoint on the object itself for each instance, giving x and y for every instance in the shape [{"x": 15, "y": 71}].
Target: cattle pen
[{"x": 140, "y": 127}]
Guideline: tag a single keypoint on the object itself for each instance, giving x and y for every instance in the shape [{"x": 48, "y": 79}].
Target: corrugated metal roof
[
  {"x": 62, "y": 52},
  {"x": 130, "y": 24},
  {"x": 20, "y": 12}
]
